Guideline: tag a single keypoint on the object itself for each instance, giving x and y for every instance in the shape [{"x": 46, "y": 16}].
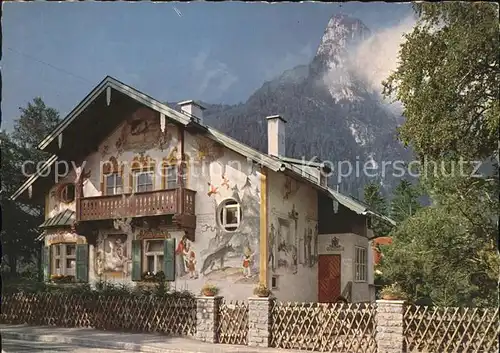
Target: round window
[
  {"x": 229, "y": 215},
  {"x": 67, "y": 193}
]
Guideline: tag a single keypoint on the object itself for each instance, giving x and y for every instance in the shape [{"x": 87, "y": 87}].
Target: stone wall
[
  {"x": 259, "y": 315},
  {"x": 389, "y": 321},
  {"x": 207, "y": 309}
]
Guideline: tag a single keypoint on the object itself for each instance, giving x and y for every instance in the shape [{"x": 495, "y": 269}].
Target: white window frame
[
  {"x": 63, "y": 258},
  {"x": 360, "y": 264},
  {"x": 154, "y": 254},
  {"x": 114, "y": 186},
  {"x": 136, "y": 180},
  {"x": 228, "y": 205}
]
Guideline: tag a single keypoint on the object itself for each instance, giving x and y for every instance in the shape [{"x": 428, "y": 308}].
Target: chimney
[
  {"x": 193, "y": 110},
  {"x": 276, "y": 136}
]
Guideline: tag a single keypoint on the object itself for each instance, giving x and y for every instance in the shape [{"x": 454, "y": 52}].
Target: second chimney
[
  {"x": 276, "y": 135},
  {"x": 193, "y": 109}
]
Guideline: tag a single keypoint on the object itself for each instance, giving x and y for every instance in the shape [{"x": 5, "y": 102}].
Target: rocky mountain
[{"x": 329, "y": 109}]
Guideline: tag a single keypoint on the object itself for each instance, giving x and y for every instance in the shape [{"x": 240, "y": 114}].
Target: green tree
[
  {"x": 405, "y": 202},
  {"x": 20, "y": 228},
  {"x": 373, "y": 198},
  {"x": 448, "y": 80}
]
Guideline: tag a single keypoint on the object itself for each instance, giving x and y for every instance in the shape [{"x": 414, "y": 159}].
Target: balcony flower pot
[{"x": 209, "y": 290}]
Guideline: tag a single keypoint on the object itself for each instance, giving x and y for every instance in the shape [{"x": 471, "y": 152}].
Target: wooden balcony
[{"x": 178, "y": 202}]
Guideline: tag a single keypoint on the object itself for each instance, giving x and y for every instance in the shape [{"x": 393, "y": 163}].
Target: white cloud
[{"x": 375, "y": 58}]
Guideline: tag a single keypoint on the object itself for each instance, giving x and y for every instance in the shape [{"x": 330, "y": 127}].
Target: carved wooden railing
[{"x": 151, "y": 203}]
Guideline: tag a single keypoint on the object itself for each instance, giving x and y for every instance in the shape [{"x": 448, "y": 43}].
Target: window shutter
[
  {"x": 169, "y": 259},
  {"x": 136, "y": 260},
  {"x": 82, "y": 262},
  {"x": 46, "y": 263}
]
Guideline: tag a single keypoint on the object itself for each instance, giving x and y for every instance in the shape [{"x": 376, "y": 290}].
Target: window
[
  {"x": 171, "y": 175},
  {"x": 230, "y": 215},
  {"x": 360, "y": 264},
  {"x": 64, "y": 259},
  {"x": 114, "y": 184},
  {"x": 143, "y": 181},
  {"x": 153, "y": 255},
  {"x": 67, "y": 193}
]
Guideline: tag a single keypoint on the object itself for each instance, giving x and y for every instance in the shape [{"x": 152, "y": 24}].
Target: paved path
[
  {"x": 23, "y": 346},
  {"x": 137, "y": 342}
]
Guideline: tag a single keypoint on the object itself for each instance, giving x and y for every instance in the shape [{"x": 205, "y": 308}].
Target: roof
[
  {"x": 357, "y": 206},
  {"x": 62, "y": 219},
  {"x": 282, "y": 164}
]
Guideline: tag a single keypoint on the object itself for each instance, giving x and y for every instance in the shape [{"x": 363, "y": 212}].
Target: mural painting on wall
[
  {"x": 186, "y": 259},
  {"x": 207, "y": 150},
  {"x": 141, "y": 132},
  {"x": 290, "y": 188},
  {"x": 283, "y": 247},
  {"x": 112, "y": 255},
  {"x": 310, "y": 243},
  {"x": 232, "y": 254}
]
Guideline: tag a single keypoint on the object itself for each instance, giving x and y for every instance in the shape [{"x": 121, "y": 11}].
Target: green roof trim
[{"x": 65, "y": 218}]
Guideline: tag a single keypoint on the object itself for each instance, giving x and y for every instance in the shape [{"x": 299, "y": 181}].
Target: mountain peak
[{"x": 341, "y": 32}]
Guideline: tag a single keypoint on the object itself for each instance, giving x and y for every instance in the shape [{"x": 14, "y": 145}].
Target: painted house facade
[{"x": 134, "y": 188}]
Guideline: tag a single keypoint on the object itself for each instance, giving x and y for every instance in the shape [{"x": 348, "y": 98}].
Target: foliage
[
  {"x": 404, "y": 203},
  {"x": 153, "y": 277},
  {"x": 20, "y": 233},
  {"x": 101, "y": 288},
  {"x": 373, "y": 198},
  {"x": 261, "y": 290},
  {"x": 448, "y": 80},
  {"x": 62, "y": 278},
  {"x": 209, "y": 289}
]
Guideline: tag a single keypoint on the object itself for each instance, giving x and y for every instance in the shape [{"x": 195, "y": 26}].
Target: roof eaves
[
  {"x": 123, "y": 88},
  {"x": 33, "y": 177},
  {"x": 357, "y": 207},
  {"x": 245, "y": 150}
]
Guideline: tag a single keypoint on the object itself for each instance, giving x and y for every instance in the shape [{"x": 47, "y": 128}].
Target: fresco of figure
[
  {"x": 180, "y": 257},
  {"x": 248, "y": 262},
  {"x": 272, "y": 247},
  {"x": 191, "y": 265}
]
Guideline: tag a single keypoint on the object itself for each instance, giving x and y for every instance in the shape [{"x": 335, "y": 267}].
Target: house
[{"x": 135, "y": 187}]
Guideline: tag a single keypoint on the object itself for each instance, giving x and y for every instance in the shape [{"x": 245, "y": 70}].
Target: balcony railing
[{"x": 151, "y": 203}]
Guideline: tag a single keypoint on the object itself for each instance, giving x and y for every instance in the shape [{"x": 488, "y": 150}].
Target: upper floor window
[
  {"x": 360, "y": 264},
  {"x": 230, "y": 215},
  {"x": 114, "y": 184},
  {"x": 67, "y": 193},
  {"x": 143, "y": 181},
  {"x": 171, "y": 176}
]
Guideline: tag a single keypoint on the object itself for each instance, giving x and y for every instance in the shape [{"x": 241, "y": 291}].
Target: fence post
[
  {"x": 259, "y": 321},
  {"x": 207, "y": 315},
  {"x": 389, "y": 319}
]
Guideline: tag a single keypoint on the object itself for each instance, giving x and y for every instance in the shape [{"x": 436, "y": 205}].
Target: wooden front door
[{"x": 328, "y": 278}]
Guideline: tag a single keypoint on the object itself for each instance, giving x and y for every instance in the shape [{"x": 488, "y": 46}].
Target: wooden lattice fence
[
  {"x": 448, "y": 329},
  {"x": 232, "y": 323},
  {"x": 324, "y": 327},
  {"x": 173, "y": 316}
]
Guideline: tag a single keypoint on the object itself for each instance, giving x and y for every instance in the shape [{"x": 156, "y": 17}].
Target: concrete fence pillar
[
  {"x": 207, "y": 315},
  {"x": 389, "y": 319},
  {"x": 259, "y": 321}
]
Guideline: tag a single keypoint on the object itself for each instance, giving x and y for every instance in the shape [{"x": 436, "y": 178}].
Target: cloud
[{"x": 376, "y": 57}]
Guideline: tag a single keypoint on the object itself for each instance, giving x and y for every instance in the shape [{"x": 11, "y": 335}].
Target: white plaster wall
[
  {"x": 207, "y": 166},
  {"x": 295, "y": 283},
  {"x": 347, "y": 243}
]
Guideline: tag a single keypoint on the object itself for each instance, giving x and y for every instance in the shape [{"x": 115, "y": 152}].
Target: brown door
[{"x": 328, "y": 278}]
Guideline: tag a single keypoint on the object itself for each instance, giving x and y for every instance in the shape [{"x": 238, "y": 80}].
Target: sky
[{"x": 214, "y": 52}]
